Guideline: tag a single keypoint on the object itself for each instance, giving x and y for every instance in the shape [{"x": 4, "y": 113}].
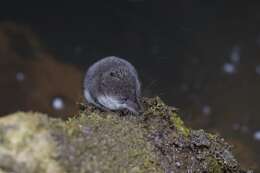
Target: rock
[
  {"x": 26, "y": 144},
  {"x": 98, "y": 141}
]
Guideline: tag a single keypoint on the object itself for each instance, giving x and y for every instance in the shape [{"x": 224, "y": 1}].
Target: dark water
[{"x": 201, "y": 56}]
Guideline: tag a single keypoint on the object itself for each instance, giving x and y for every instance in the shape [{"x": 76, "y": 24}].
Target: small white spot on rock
[{"x": 57, "y": 103}]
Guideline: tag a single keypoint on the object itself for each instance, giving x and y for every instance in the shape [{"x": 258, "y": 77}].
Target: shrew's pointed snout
[{"x": 134, "y": 107}]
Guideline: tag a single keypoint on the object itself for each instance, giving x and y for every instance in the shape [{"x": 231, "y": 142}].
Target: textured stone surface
[{"x": 97, "y": 141}]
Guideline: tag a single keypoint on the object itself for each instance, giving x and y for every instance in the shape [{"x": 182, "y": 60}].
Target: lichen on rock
[
  {"x": 98, "y": 141},
  {"x": 26, "y": 144}
]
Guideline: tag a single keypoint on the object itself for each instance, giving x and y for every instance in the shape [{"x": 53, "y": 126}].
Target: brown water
[{"x": 199, "y": 56}]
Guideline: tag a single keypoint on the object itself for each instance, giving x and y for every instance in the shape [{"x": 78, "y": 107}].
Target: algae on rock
[
  {"x": 97, "y": 141},
  {"x": 26, "y": 144}
]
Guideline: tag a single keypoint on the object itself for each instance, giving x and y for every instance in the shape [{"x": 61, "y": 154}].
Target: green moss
[
  {"x": 88, "y": 143},
  {"x": 179, "y": 125},
  {"x": 212, "y": 136},
  {"x": 27, "y": 143},
  {"x": 97, "y": 141},
  {"x": 156, "y": 107},
  {"x": 214, "y": 166},
  {"x": 110, "y": 145}
]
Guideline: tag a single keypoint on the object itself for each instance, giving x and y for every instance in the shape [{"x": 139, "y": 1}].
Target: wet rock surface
[
  {"x": 185, "y": 149},
  {"x": 98, "y": 141}
]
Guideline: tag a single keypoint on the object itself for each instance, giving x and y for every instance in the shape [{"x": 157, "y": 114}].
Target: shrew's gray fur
[{"x": 112, "y": 83}]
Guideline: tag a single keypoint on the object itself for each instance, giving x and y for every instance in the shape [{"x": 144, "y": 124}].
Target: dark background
[{"x": 180, "y": 49}]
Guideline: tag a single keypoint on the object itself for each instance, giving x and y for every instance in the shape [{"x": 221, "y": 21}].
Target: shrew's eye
[
  {"x": 124, "y": 99},
  {"x": 112, "y": 74}
]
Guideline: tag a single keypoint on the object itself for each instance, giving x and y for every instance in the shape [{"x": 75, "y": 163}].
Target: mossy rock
[{"x": 98, "y": 141}]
